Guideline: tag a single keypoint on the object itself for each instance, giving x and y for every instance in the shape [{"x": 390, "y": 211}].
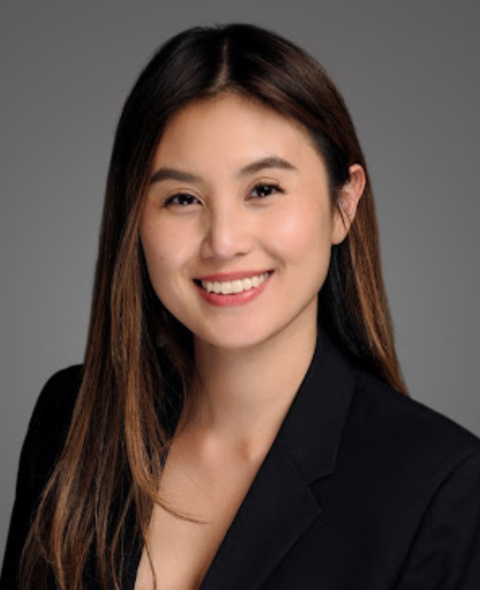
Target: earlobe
[{"x": 349, "y": 197}]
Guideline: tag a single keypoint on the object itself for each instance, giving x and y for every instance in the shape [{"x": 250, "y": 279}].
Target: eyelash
[{"x": 270, "y": 185}]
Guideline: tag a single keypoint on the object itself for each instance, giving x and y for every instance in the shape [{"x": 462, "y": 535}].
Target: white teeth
[{"x": 234, "y": 286}]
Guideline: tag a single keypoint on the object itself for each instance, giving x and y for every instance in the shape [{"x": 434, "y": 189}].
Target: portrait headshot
[{"x": 240, "y": 296}]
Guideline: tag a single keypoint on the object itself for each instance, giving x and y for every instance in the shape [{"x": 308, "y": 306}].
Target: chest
[{"x": 182, "y": 551}]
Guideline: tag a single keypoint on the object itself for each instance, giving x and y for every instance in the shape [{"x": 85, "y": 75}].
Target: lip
[
  {"x": 233, "y": 299},
  {"x": 233, "y": 276}
]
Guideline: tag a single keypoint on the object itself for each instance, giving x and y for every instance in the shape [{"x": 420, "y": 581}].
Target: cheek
[
  {"x": 165, "y": 255},
  {"x": 165, "y": 248},
  {"x": 303, "y": 234}
]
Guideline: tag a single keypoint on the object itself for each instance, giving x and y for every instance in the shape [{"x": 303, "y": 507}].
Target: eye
[
  {"x": 180, "y": 200},
  {"x": 265, "y": 189}
]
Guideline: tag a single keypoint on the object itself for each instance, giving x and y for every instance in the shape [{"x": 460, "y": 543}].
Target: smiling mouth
[{"x": 233, "y": 287}]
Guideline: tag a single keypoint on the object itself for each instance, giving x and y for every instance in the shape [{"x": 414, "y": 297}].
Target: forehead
[{"x": 231, "y": 127}]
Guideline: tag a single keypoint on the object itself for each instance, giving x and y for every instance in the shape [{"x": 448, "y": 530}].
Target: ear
[{"x": 348, "y": 199}]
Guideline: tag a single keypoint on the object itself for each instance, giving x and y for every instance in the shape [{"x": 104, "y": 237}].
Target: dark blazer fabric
[{"x": 362, "y": 489}]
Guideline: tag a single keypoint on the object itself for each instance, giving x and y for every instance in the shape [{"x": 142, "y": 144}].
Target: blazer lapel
[{"x": 280, "y": 506}]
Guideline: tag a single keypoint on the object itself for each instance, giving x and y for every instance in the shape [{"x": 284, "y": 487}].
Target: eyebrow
[{"x": 256, "y": 166}]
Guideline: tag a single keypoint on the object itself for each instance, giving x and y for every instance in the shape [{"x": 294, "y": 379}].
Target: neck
[{"x": 247, "y": 392}]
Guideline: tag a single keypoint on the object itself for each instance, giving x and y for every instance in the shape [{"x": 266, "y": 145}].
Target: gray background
[{"x": 409, "y": 72}]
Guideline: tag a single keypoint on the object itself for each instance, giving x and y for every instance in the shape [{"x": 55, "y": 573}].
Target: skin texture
[{"x": 251, "y": 357}]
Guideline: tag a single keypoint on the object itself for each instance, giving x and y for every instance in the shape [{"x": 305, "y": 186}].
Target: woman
[{"x": 240, "y": 420}]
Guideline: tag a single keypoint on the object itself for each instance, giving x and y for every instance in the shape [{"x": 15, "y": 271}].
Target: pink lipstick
[{"x": 254, "y": 284}]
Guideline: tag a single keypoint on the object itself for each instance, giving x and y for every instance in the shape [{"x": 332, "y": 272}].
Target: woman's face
[{"x": 237, "y": 192}]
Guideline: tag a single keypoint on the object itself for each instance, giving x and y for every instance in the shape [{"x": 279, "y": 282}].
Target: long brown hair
[{"x": 138, "y": 374}]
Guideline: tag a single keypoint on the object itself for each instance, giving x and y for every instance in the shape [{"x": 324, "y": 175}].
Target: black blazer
[{"x": 362, "y": 489}]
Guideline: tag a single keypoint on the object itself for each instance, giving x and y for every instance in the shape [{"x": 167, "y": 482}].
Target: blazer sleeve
[
  {"x": 446, "y": 551},
  {"x": 41, "y": 449}
]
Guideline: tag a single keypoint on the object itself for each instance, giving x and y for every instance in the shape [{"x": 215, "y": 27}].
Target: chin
[{"x": 234, "y": 339}]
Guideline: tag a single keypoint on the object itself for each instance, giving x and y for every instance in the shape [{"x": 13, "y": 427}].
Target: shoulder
[
  {"x": 41, "y": 449},
  {"x": 408, "y": 419},
  {"x": 49, "y": 425},
  {"x": 419, "y": 470},
  {"x": 398, "y": 436},
  {"x": 55, "y": 402},
  {"x": 59, "y": 392}
]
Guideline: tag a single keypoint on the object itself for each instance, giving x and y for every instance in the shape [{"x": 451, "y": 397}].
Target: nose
[{"x": 228, "y": 233}]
